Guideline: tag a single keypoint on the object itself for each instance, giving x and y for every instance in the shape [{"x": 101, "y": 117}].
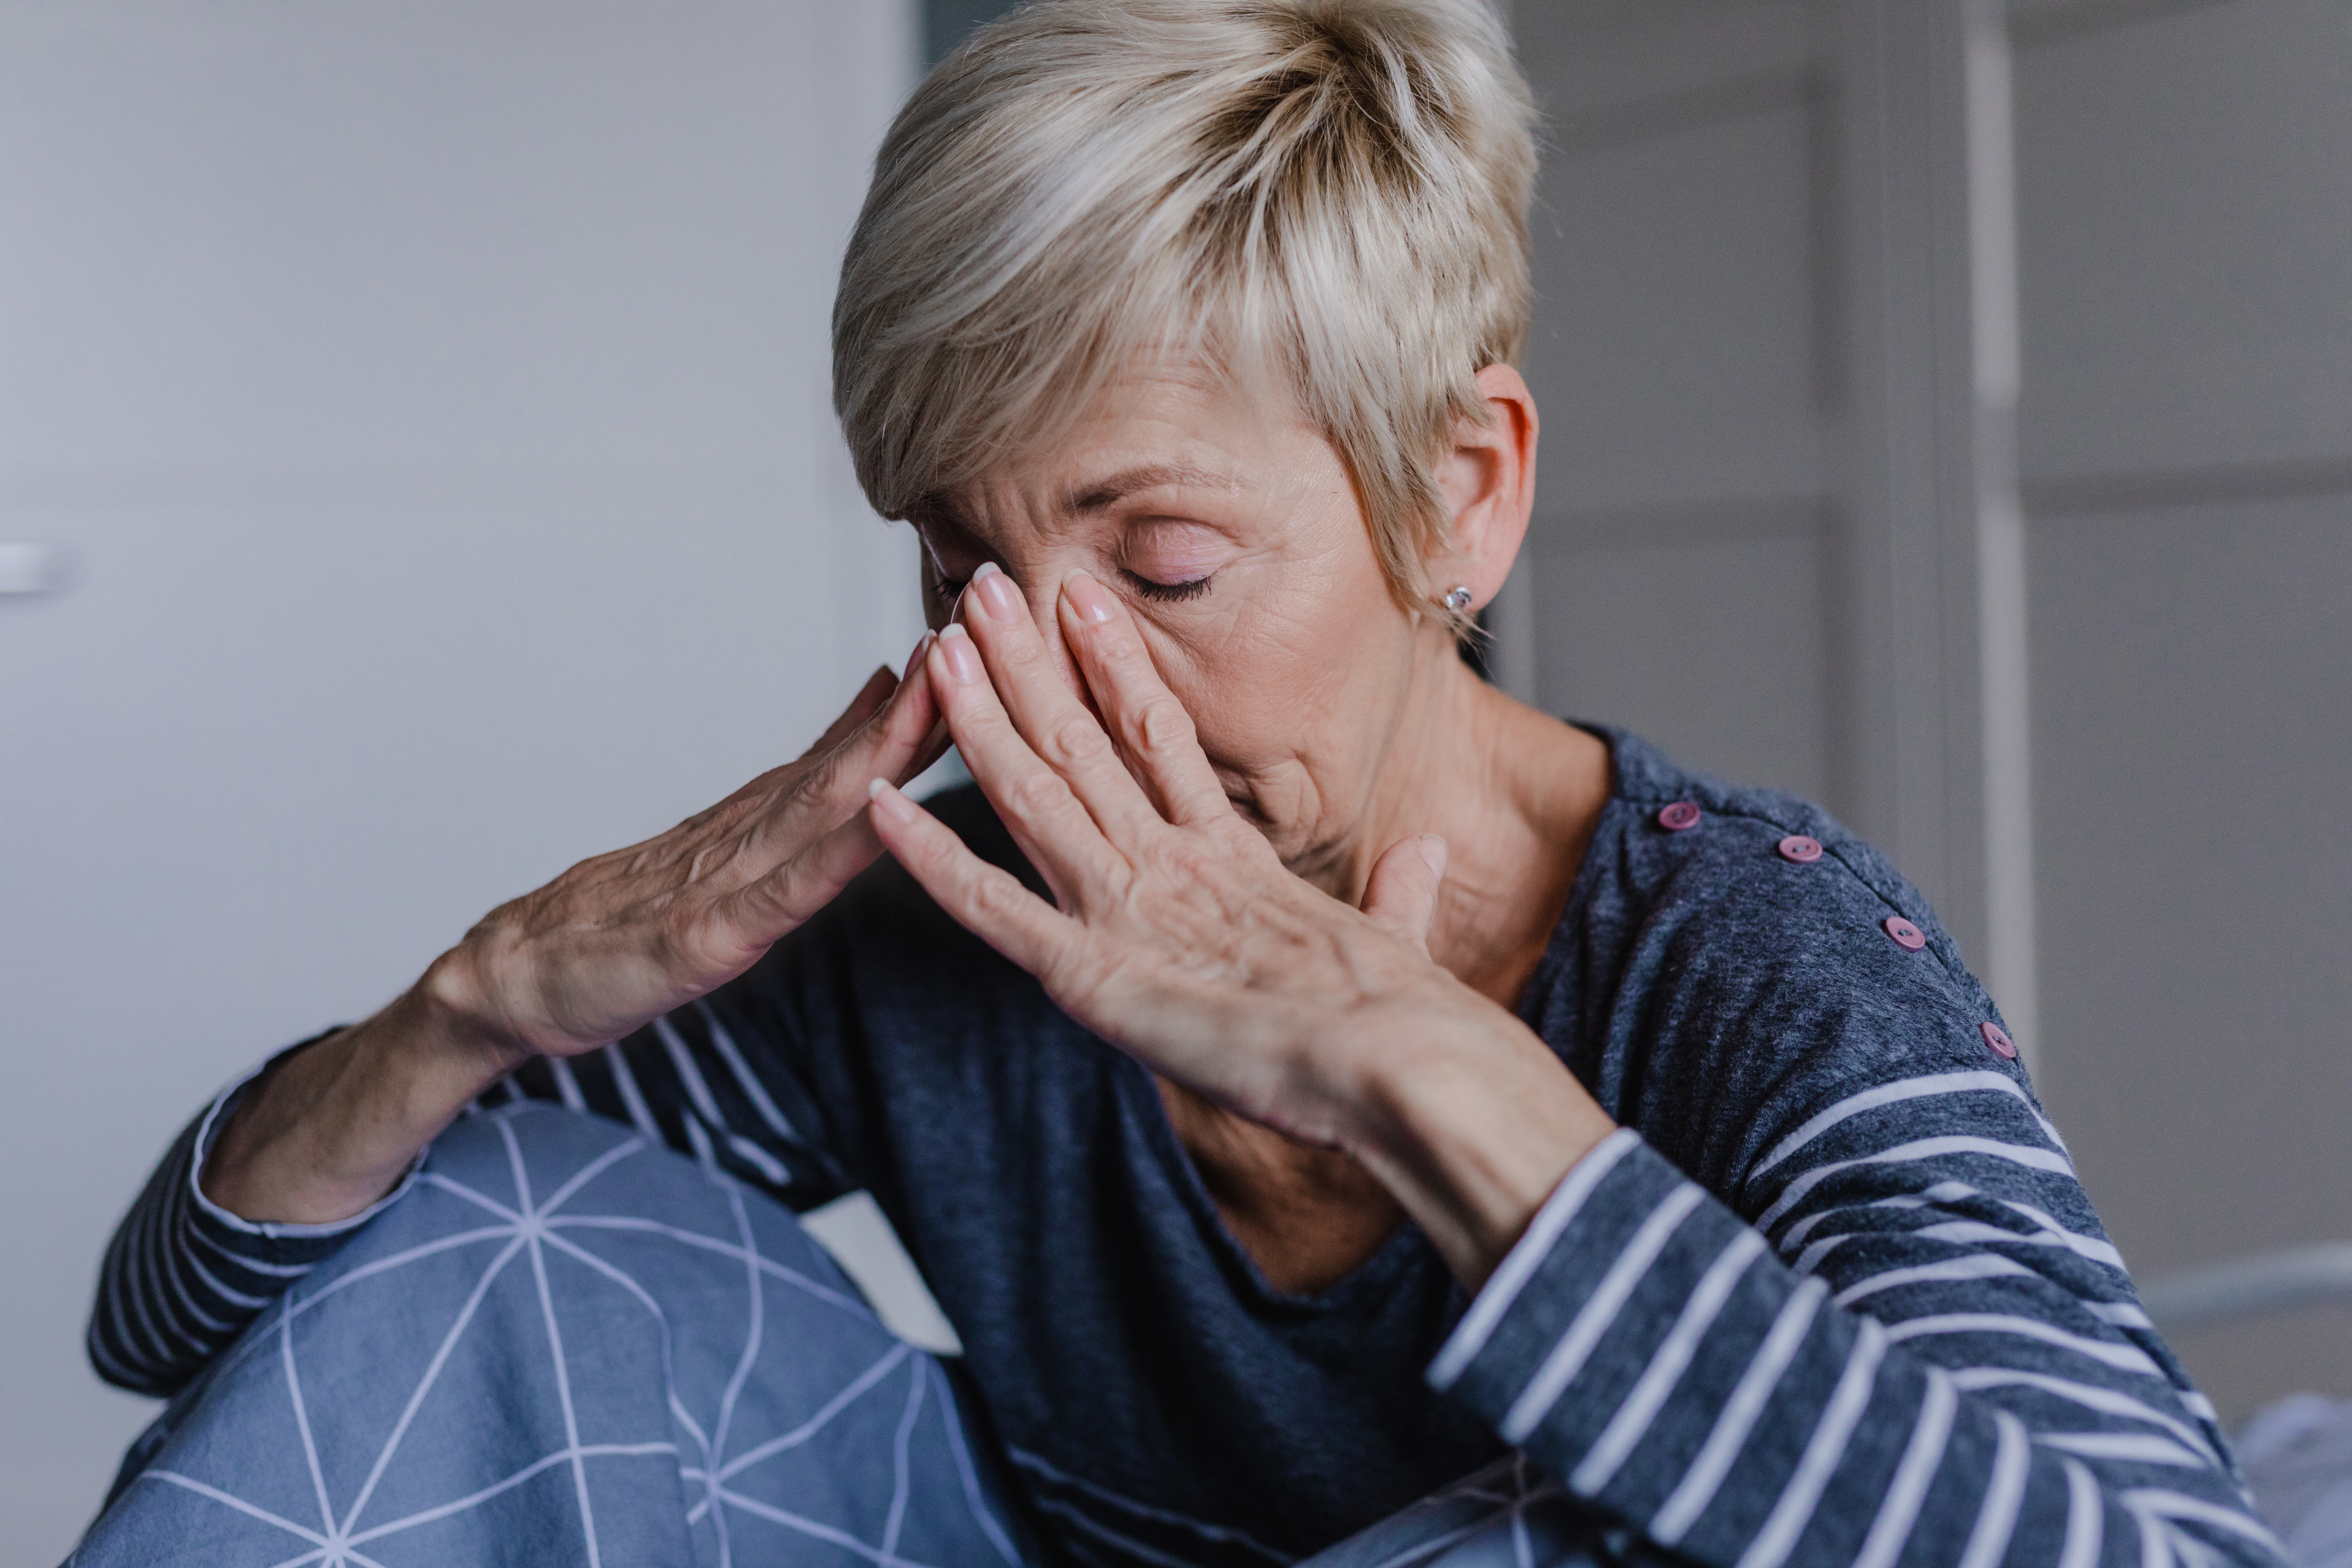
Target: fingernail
[
  {"x": 1433, "y": 852},
  {"x": 996, "y": 594},
  {"x": 1087, "y": 597},
  {"x": 963, "y": 658},
  {"x": 914, "y": 659},
  {"x": 892, "y": 805}
]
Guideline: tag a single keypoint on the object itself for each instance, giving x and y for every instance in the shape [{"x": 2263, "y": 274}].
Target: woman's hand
[
  {"x": 1182, "y": 938},
  {"x": 616, "y": 941},
  {"x": 604, "y": 949}
]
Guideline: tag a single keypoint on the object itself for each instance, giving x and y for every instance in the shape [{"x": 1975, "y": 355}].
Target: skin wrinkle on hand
[
  {"x": 1338, "y": 723},
  {"x": 612, "y": 943}
]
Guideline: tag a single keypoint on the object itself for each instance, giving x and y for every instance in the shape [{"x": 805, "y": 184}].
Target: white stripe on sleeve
[
  {"x": 2166, "y": 1504},
  {"x": 754, "y": 1090},
  {"x": 760, "y": 1159},
  {"x": 1977, "y": 1231},
  {"x": 640, "y": 1116},
  {"x": 2085, "y": 1518},
  {"x": 1891, "y": 1531},
  {"x": 2134, "y": 1447},
  {"x": 567, "y": 1084},
  {"x": 1824, "y": 1451},
  {"x": 2023, "y": 1154},
  {"x": 1641, "y": 1405},
  {"x": 2123, "y": 1358},
  {"x": 2005, "y": 1495},
  {"x": 682, "y": 1059},
  {"x": 1519, "y": 1266},
  {"x": 1714, "y": 1460},
  {"x": 1593, "y": 1320},
  {"x": 2091, "y": 1396},
  {"x": 1976, "y": 1266},
  {"x": 1894, "y": 1093}
]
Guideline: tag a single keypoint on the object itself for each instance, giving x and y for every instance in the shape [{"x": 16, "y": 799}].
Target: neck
[{"x": 1516, "y": 794}]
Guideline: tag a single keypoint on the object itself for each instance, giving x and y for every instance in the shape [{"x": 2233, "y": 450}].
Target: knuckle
[
  {"x": 996, "y": 892},
  {"x": 1114, "y": 643},
  {"x": 974, "y": 712},
  {"x": 1161, "y": 725},
  {"x": 1078, "y": 739},
  {"x": 815, "y": 781},
  {"x": 1040, "y": 793}
]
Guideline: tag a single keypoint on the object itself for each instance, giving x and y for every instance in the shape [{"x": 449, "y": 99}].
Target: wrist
[
  {"x": 1471, "y": 1122},
  {"x": 331, "y": 1129},
  {"x": 448, "y": 1023}
]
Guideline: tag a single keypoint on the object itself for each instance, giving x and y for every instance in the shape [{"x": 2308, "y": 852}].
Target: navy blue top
[{"x": 1833, "y": 1294}]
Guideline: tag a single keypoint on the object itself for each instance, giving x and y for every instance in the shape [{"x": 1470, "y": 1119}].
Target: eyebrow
[{"x": 1117, "y": 488}]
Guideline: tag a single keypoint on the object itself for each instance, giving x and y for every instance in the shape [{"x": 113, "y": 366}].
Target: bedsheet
[{"x": 569, "y": 1346}]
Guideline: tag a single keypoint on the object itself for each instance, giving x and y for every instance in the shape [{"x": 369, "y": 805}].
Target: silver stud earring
[{"x": 1458, "y": 597}]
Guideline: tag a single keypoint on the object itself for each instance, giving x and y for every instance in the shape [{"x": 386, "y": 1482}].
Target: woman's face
[{"x": 1232, "y": 533}]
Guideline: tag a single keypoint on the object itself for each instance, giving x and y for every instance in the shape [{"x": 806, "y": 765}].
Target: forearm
[
  {"x": 1648, "y": 1347},
  {"x": 184, "y": 1275},
  {"x": 331, "y": 1129}
]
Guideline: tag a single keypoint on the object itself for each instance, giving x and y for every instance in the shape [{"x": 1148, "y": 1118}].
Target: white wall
[
  {"x": 1679, "y": 563},
  {"x": 1777, "y": 513},
  {"x": 430, "y": 401},
  {"x": 2185, "y": 229},
  {"x": 2184, "y": 439}
]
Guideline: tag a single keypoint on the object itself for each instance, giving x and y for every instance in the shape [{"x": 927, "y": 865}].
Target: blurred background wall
[
  {"x": 1947, "y": 414},
  {"x": 429, "y": 408}
]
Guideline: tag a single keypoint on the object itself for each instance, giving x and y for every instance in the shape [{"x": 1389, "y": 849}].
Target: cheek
[{"x": 1296, "y": 674}]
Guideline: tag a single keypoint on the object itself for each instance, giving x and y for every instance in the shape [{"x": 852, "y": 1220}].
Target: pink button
[
  {"x": 2002, "y": 1045},
  {"x": 1679, "y": 817},
  {"x": 1801, "y": 849},
  {"x": 1907, "y": 937}
]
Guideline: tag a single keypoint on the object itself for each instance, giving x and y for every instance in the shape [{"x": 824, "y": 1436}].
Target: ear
[{"x": 1488, "y": 481}]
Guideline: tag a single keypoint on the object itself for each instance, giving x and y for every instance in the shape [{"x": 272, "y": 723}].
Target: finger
[
  {"x": 897, "y": 741},
  {"x": 1143, "y": 716},
  {"x": 915, "y": 715},
  {"x": 1049, "y": 715},
  {"x": 755, "y": 915},
  {"x": 1402, "y": 892},
  {"x": 987, "y": 900},
  {"x": 779, "y": 899},
  {"x": 864, "y": 706},
  {"x": 760, "y": 793},
  {"x": 1044, "y": 815}
]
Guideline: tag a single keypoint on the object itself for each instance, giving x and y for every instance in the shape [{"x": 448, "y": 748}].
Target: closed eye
[{"x": 1169, "y": 593}]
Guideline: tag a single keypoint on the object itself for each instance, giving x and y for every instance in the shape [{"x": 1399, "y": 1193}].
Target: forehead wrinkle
[{"x": 1100, "y": 494}]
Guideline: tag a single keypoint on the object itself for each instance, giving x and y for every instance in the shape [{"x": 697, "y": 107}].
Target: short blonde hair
[{"x": 1334, "y": 191}]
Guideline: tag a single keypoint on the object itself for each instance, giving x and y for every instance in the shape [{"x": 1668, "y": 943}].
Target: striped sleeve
[
  {"x": 183, "y": 1276},
  {"x": 1904, "y": 1342},
  {"x": 689, "y": 1082}
]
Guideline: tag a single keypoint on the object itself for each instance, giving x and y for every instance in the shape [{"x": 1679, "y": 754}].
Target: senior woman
[{"x": 1306, "y": 1076}]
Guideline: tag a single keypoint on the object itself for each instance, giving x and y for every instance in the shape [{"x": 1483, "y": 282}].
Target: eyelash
[
  {"x": 1164, "y": 593},
  {"x": 1170, "y": 593}
]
